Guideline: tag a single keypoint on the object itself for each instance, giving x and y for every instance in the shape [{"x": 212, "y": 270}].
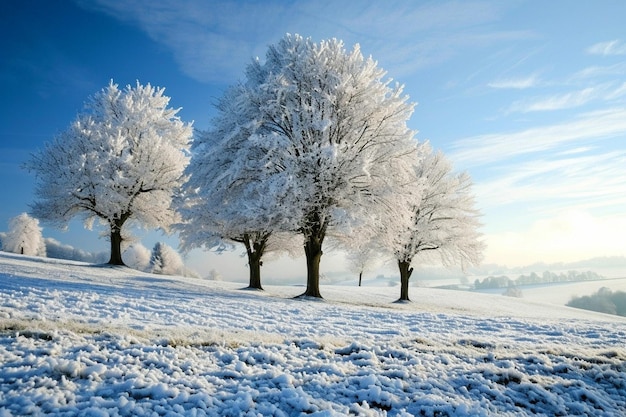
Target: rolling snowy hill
[{"x": 77, "y": 339}]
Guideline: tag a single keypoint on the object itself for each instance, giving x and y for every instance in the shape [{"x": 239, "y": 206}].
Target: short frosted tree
[
  {"x": 24, "y": 236},
  {"x": 230, "y": 196},
  {"x": 440, "y": 221},
  {"x": 327, "y": 118},
  {"x": 137, "y": 256},
  {"x": 363, "y": 258},
  {"x": 120, "y": 162},
  {"x": 165, "y": 260}
]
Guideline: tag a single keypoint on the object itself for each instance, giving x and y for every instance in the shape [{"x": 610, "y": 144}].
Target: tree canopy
[
  {"x": 231, "y": 196},
  {"x": 24, "y": 236},
  {"x": 439, "y": 222},
  {"x": 334, "y": 128},
  {"x": 120, "y": 161}
]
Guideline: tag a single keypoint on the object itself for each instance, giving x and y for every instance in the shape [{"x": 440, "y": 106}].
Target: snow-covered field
[{"x": 93, "y": 340}]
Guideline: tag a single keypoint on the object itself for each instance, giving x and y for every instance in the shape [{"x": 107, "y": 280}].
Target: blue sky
[{"x": 529, "y": 97}]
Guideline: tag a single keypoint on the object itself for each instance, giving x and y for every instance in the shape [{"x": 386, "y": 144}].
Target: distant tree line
[
  {"x": 24, "y": 237},
  {"x": 547, "y": 277},
  {"x": 603, "y": 301}
]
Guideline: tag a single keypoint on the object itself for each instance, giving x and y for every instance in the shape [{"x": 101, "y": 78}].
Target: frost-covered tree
[
  {"x": 231, "y": 196},
  {"x": 166, "y": 261},
  {"x": 120, "y": 162},
  {"x": 334, "y": 128},
  {"x": 441, "y": 222},
  {"x": 137, "y": 256},
  {"x": 58, "y": 250},
  {"x": 363, "y": 258},
  {"x": 24, "y": 236}
]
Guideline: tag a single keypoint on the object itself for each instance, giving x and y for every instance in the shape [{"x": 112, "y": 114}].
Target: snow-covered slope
[{"x": 95, "y": 340}]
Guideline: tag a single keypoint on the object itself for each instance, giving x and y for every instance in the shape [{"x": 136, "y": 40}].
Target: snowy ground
[{"x": 94, "y": 340}]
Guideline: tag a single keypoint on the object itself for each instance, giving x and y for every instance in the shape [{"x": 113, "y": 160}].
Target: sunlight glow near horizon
[{"x": 570, "y": 236}]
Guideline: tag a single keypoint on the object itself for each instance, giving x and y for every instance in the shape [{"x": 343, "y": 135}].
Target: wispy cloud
[
  {"x": 618, "y": 92},
  {"x": 598, "y": 71},
  {"x": 579, "y": 131},
  {"x": 213, "y": 41},
  {"x": 574, "y": 204},
  {"x": 556, "y": 101},
  {"x": 614, "y": 47},
  {"x": 515, "y": 83},
  {"x": 602, "y": 92},
  {"x": 585, "y": 180}
]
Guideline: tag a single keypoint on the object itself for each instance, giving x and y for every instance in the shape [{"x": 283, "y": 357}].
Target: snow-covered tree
[
  {"x": 120, "y": 163},
  {"x": 442, "y": 222},
  {"x": 363, "y": 258},
  {"x": 228, "y": 197},
  {"x": 24, "y": 236},
  {"x": 137, "y": 256},
  {"x": 334, "y": 129},
  {"x": 166, "y": 261},
  {"x": 58, "y": 250},
  {"x": 214, "y": 275}
]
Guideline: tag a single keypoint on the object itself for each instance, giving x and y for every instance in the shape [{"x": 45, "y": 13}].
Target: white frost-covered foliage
[
  {"x": 443, "y": 222},
  {"x": 329, "y": 135},
  {"x": 24, "y": 236},
  {"x": 165, "y": 260},
  {"x": 120, "y": 161},
  {"x": 328, "y": 118},
  {"x": 363, "y": 258},
  {"x": 137, "y": 256},
  {"x": 58, "y": 250},
  {"x": 230, "y": 195}
]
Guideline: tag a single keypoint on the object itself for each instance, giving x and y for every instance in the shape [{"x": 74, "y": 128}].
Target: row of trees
[
  {"x": 547, "y": 277},
  {"x": 312, "y": 144},
  {"x": 25, "y": 237},
  {"x": 604, "y": 301}
]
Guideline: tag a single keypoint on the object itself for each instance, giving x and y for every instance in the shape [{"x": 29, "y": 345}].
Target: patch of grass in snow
[{"x": 52, "y": 330}]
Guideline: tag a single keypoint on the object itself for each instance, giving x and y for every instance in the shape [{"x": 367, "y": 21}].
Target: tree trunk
[
  {"x": 254, "y": 262},
  {"x": 116, "y": 243},
  {"x": 255, "y": 244},
  {"x": 405, "y": 275},
  {"x": 255, "y": 252},
  {"x": 313, "y": 252}
]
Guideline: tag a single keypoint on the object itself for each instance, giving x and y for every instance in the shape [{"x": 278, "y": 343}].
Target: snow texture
[{"x": 77, "y": 339}]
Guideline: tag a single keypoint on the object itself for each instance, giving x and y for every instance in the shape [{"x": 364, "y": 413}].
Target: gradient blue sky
[{"x": 528, "y": 96}]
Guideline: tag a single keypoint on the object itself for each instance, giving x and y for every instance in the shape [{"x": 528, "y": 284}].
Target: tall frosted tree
[
  {"x": 120, "y": 162},
  {"x": 24, "y": 236},
  {"x": 231, "y": 196},
  {"x": 329, "y": 119},
  {"x": 438, "y": 222}
]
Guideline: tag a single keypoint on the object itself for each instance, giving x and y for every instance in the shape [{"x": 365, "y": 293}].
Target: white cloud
[
  {"x": 213, "y": 41},
  {"x": 583, "y": 180},
  {"x": 499, "y": 147},
  {"x": 617, "y": 92},
  {"x": 515, "y": 83},
  {"x": 599, "y": 71},
  {"x": 614, "y": 47},
  {"x": 557, "y": 101},
  {"x": 568, "y": 236}
]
